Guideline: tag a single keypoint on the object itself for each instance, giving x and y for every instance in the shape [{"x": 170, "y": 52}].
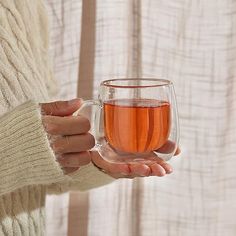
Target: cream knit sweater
[{"x": 28, "y": 170}]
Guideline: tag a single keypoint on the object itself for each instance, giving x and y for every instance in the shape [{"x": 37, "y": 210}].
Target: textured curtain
[{"x": 192, "y": 43}]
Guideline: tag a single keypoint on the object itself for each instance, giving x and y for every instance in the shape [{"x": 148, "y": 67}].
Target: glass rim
[{"x": 159, "y": 83}]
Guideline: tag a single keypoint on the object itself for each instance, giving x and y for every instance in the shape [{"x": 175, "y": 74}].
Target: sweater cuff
[
  {"x": 86, "y": 178},
  {"x": 90, "y": 177},
  {"x": 25, "y": 153}
]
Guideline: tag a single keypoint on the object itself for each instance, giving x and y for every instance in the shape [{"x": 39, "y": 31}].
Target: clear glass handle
[
  {"x": 92, "y": 110},
  {"x": 87, "y": 103}
]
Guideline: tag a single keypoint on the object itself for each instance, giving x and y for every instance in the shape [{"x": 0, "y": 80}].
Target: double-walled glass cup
[{"x": 135, "y": 120}]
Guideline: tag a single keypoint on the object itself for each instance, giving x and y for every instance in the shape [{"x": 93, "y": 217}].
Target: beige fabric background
[{"x": 192, "y": 43}]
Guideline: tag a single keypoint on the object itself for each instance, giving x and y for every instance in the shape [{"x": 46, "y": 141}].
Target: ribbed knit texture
[
  {"x": 28, "y": 167},
  {"x": 26, "y": 158}
]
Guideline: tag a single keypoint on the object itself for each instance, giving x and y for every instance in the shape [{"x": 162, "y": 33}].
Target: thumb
[{"x": 61, "y": 108}]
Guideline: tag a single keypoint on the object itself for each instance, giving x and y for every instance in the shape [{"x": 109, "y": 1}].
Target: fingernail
[
  {"x": 75, "y": 101},
  {"x": 169, "y": 171},
  {"x": 162, "y": 173}
]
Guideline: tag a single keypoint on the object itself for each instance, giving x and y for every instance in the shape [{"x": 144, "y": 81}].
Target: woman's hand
[
  {"x": 155, "y": 168},
  {"x": 68, "y": 134}
]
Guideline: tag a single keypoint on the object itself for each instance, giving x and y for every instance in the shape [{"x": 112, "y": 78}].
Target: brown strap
[
  {"x": 87, "y": 49},
  {"x": 79, "y": 202},
  {"x": 135, "y": 39},
  {"x": 78, "y": 214}
]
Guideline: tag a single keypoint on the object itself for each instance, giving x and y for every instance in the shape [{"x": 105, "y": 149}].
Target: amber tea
[{"x": 136, "y": 125}]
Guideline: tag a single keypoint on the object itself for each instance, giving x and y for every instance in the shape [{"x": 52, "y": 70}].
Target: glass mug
[{"x": 134, "y": 120}]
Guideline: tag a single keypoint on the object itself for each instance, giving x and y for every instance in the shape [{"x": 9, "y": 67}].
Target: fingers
[
  {"x": 139, "y": 170},
  {"x": 75, "y": 159},
  {"x": 61, "y": 108},
  {"x": 74, "y": 143},
  {"x": 156, "y": 168},
  {"x": 69, "y": 134},
  {"x": 167, "y": 167},
  {"x": 68, "y": 125}
]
